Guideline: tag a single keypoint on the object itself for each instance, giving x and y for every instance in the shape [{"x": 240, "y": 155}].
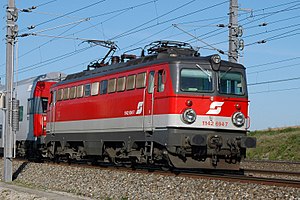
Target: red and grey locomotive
[{"x": 169, "y": 108}]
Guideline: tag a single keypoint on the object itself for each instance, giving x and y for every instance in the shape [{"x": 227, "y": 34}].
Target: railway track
[
  {"x": 247, "y": 177},
  {"x": 272, "y": 161},
  {"x": 272, "y": 172}
]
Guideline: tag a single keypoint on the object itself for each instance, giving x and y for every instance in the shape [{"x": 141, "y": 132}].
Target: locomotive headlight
[
  {"x": 238, "y": 119},
  {"x": 189, "y": 116},
  {"x": 216, "y": 59}
]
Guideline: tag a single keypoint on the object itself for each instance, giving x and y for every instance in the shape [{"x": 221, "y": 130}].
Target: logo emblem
[
  {"x": 139, "y": 108},
  {"x": 215, "y": 108}
]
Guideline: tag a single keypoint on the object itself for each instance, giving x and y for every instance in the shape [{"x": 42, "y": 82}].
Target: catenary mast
[{"x": 12, "y": 15}]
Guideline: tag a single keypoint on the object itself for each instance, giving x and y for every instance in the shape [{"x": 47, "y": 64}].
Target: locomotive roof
[{"x": 141, "y": 62}]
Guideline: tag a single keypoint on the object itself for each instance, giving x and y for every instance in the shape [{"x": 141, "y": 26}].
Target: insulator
[{"x": 15, "y": 115}]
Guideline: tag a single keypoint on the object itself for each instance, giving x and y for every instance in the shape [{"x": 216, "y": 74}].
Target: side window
[
  {"x": 79, "y": 91},
  {"x": 87, "y": 90},
  {"x": 161, "y": 80},
  {"x": 151, "y": 82},
  {"x": 95, "y": 88},
  {"x": 73, "y": 92},
  {"x": 121, "y": 84},
  {"x": 141, "y": 80},
  {"x": 103, "y": 87},
  {"x": 130, "y": 85},
  {"x": 111, "y": 85},
  {"x": 66, "y": 93},
  {"x": 20, "y": 113},
  {"x": 59, "y": 95}
]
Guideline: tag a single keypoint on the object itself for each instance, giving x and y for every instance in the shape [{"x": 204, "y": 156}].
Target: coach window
[
  {"x": 73, "y": 92},
  {"x": 87, "y": 90},
  {"x": 66, "y": 93},
  {"x": 121, "y": 84},
  {"x": 130, "y": 85},
  {"x": 111, "y": 85},
  {"x": 95, "y": 88},
  {"x": 79, "y": 91},
  {"x": 141, "y": 80},
  {"x": 103, "y": 87},
  {"x": 161, "y": 80},
  {"x": 20, "y": 113},
  {"x": 59, "y": 95},
  {"x": 151, "y": 82}
]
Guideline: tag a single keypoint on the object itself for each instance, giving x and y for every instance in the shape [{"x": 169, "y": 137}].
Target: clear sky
[{"x": 273, "y": 69}]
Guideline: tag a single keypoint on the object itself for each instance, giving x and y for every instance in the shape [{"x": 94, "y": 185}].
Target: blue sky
[{"x": 135, "y": 23}]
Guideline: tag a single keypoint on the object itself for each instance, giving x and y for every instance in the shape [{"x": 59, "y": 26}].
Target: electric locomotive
[{"x": 171, "y": 108}]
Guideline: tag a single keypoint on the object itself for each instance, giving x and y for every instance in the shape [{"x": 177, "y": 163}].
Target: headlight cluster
[
  {"x": 238, "y": 119},
  {"x": 189, "y": 116}
]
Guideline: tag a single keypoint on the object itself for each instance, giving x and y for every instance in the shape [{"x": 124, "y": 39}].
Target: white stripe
[{"x": 136, "y": 124}]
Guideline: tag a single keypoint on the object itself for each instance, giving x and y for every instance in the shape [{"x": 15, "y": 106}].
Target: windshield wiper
[
  {"x": 205, "y": 72},
  {"x": 225, "y": 72}
]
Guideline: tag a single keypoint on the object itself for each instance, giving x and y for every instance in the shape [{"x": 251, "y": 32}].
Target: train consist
[{"x": 169, "y": 108}]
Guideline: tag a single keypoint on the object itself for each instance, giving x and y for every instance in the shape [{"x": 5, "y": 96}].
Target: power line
[
  {"x": 276, "y": 68},
  {"x": 219, "y": 31},
  {"x": 275, "y": 37},
  {"x": 32, "y": 50},
  {"x": 277, "y": 90},
  {"x": 274, "y": 62},
  {"x": 274, "y": 30},
  {"x": 197, "y": 38},
  {"x": 69, "y": 13},
  {"x": 133, "y": 30},
  {"x": 51, "y": 60},
  {"x": 123, "y": 9},
  {"x": 274, "y": 81}
]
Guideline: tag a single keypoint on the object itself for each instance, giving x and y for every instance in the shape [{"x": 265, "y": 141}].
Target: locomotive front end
[{"x": 212, "y": 103}]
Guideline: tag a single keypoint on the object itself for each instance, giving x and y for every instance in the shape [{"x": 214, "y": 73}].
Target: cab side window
[
  {"x": 151, "y": 82},
  {"x": 161, "y": 80}
]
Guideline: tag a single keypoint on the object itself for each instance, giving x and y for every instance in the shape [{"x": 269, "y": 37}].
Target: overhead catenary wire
[
  {"x": 135, "y": 30},
  {"x": 274, "y": 68},
  {"x": 274, "y": 81},
  {"x": 197, "y": 38},
  {"x": 50, "y": 60},
  {"x": 265, "y": 15},
  {"x": 276, "y": 90},
  {"x": 274, "y": 62},
  {"x": 66, "y": 14},
  {"x": 275, "y": 37}
]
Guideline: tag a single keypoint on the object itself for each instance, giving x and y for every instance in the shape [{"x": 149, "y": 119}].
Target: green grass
[{"x": 276, "y": 144}]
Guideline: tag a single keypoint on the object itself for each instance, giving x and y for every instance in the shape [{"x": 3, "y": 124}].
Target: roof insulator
[
  {"x": 262, "y": 41},
  {"x": 264, "y": 24},
  {"x": 221, "y": 25},
  {"x": 31, "y": 27}
]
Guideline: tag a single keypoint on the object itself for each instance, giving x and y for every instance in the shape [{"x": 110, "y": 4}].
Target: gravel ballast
[{"x": 99, "y": 183}]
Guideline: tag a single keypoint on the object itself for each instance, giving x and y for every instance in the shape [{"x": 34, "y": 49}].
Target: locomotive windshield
[
  {"x": 195, "y": 80},
  {"x": 231, "y": 83}
]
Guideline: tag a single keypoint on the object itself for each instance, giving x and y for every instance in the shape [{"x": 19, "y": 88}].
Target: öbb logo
[{"x": 215, "y": 108}]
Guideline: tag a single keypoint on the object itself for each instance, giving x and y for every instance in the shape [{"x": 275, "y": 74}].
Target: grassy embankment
[{"x": 276, "y": 144}]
